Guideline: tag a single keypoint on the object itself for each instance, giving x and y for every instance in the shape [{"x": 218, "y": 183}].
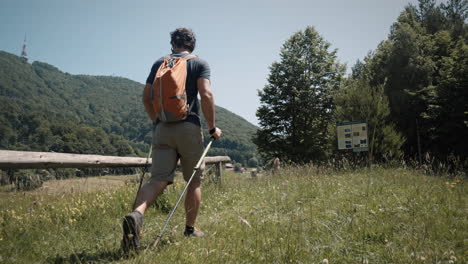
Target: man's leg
[
  {"x": 133, "y": 222},
  {"x": 192, "y": 202},
  {"x": 164, "y": 163},
  {"x": 190, "y": 148},
  {"x": 148, "y": 194}
]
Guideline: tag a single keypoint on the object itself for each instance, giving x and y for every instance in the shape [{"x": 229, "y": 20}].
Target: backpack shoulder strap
[{"x": 190, "y": 56}]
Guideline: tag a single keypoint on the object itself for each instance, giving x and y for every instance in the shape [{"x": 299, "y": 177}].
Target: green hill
[{"x": 45, "y": 109}]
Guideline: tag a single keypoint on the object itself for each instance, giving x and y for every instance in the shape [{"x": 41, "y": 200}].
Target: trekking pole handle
[{"x": 212, "y": 132}]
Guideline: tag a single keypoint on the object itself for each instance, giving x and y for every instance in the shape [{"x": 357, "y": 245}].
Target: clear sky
[{"x": 239, "y": 38}]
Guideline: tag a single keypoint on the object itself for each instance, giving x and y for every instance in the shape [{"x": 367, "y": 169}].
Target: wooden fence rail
[{"x": 44, "y": 160}]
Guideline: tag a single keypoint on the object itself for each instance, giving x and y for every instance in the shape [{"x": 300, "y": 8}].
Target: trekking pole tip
[{"x": 156, "y": 243}]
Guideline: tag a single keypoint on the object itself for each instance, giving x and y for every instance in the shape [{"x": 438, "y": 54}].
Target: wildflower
[
  {"x": 35, "y": 202},
  {"x": 1, "y": 238},
  {"x": 325, "y": 261}
]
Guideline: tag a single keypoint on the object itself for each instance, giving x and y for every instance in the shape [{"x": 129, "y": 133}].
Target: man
[
  {"x": 276, "y": 165},
  {"x": 172, "y": 141}
]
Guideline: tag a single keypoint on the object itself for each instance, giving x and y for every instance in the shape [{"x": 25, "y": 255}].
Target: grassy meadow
[{"x": 300, "y": 215}]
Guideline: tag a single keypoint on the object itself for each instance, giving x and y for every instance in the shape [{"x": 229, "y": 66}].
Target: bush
[
  {"x": 4, "y": 178},
  {"x": 26, "y": 180},
  {"x": 237, "y": 167},
  {"x": 65, "y": 173},
  {"x": 253, "y": 162},
  {"x": 46, "y": 175}
]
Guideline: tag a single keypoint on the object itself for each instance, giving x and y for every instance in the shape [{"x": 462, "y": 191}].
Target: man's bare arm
[
  {"x": 148, "y": 104},
  {"x": 208, "y": 106}
]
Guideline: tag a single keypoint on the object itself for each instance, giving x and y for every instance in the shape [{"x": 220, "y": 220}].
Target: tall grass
[{"x": 300, "y": 215}]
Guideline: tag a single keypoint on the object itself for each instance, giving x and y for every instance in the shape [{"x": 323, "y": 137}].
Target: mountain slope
[{"x": 44, "y": 109}]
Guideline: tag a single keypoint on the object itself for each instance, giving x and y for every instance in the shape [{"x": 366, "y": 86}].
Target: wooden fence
[{"x": 45, "y": 160}]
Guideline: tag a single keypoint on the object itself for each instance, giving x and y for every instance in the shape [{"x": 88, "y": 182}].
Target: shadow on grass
[
  {"x": 84, "y": 257},
  {"x": 106, "y": 256},
  {"x": 103, "y": 256}
]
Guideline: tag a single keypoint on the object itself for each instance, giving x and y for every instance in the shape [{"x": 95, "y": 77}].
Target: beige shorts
[{"x": 172, "y": 141}]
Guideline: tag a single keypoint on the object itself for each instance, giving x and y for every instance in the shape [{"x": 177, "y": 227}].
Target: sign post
[{"x": 352, "y": 135}]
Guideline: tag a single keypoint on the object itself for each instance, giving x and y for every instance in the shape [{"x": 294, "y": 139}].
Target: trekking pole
[
  {"x": 145, "y": 170},
  {"x": 197, "y": 167}
]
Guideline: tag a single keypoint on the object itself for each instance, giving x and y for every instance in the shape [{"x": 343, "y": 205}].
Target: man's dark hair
[{"x": 183, "y": 38}]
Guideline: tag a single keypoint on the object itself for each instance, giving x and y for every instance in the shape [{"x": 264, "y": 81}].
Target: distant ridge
[{"x": 45, "y": 109}]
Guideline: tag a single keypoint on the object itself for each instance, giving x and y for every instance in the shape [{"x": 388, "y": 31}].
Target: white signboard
[{"x": 352, "y": 135}]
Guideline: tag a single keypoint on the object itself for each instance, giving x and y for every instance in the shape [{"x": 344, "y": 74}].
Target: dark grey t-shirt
[{"x": 196, "y": 68}]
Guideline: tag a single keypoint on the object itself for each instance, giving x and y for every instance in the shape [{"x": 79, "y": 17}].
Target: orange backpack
[{"x": 169, "y": 95}]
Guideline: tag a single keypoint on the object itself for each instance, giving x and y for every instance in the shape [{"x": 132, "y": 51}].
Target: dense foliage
[
  {"x": 423, "y": 66},
  {"x": 44, "y": 109},
  {"x": 296, "y": 104}
]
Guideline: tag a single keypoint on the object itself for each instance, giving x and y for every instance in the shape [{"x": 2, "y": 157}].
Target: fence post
[{"x": 219, "y": 170}]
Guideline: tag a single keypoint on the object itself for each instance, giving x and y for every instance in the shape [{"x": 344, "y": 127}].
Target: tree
[
  {"x": 296, "y": 104},
  {"x": 449, "y": 110},
  {"x": 456, "y": 12}
]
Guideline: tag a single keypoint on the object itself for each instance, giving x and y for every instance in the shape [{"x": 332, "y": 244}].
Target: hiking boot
[
  {"x": 132, "y": 224},
  {"x": 191, "y": 231}
]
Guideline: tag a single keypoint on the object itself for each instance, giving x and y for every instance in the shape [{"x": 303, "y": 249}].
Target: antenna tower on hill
[{"x": 24, "y": 54}]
